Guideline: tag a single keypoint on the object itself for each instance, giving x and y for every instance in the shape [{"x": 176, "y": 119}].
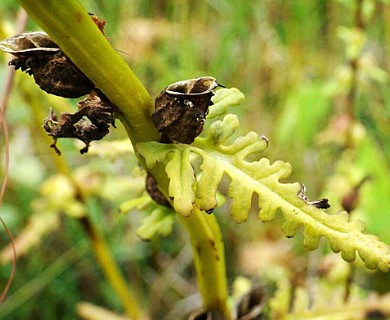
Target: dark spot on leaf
[{"x": 79, "y": 17}]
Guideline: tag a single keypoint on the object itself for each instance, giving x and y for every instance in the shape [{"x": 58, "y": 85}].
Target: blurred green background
[{"x": 316, "y": 79}]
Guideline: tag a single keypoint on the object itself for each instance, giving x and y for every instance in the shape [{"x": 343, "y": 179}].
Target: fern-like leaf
[{"x": 240, "y": 160}]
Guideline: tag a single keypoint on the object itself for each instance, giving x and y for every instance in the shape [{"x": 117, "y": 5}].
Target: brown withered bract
[
  {"x": 91, "y": 122},
  {"x": 53, "y": 71},
  {"x": 38, "y": 55},
  {"x": 181, "y": 109}
]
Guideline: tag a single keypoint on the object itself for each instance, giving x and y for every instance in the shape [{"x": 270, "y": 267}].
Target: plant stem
[
  {"x": 70, "y": 26},
  {"x": 209, "y": 257}
]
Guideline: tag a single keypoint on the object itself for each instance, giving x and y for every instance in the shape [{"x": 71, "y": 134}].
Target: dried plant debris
[
  {"x": 251, "y": 306},
  {"x": 100, "y": 23},
  {"x": 38, "y": 55},
  {"x": 91, "y": 122},
  {"x": 181, "y": 109},
  {"x": 320, "y": 204}
]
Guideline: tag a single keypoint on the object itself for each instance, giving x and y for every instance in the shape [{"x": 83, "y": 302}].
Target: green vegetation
[{"x": 315, "y": 77}]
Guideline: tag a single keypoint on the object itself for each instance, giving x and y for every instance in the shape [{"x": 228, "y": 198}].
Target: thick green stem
[
  {"x": 70, "y": 26},
  {"x": 209, "y": 257}
]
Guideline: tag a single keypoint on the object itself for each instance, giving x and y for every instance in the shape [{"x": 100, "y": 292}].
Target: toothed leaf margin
[{"x": 239, "y": 159}]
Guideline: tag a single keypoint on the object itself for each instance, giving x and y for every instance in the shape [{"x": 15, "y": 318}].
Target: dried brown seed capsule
[
  {"x": 351, "y": 199},
  {"x": 38, "y": 55},
  {"x": 91, "y": 122},
  {"x": 53, "y": 71},
  {"x": 28, "y": 44},
  {"x": 181, "y": 109}
]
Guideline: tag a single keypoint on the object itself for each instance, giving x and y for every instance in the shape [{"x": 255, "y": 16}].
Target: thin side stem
[{"x": 111, "y": 270}]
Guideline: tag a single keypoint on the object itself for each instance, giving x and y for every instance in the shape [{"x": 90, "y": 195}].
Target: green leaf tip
[
  {"x": 223, "y": 153},
  {"x": 181, "y": 176},
  {"x": 223, "y": 99}
]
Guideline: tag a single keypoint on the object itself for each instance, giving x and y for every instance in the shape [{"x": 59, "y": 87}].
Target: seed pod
[
  {"x": 181, "y": 109},
  {"x": 53, "y": 71},
  {"x": 26, "y": 44},
  {"x": 91, "y": 122}
]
